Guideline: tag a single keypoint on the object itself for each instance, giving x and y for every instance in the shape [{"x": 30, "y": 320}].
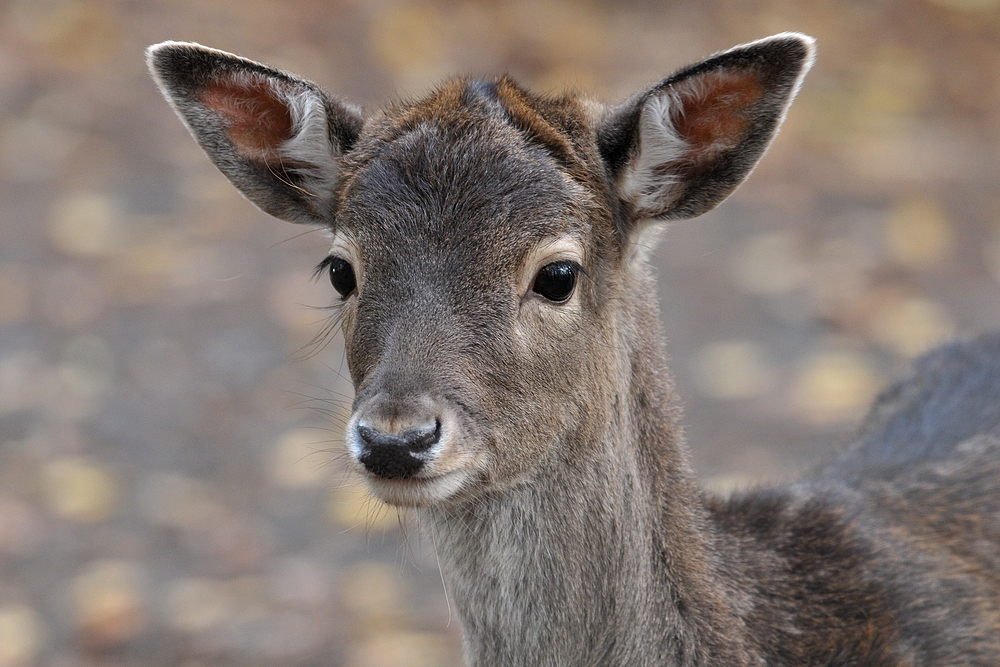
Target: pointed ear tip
[
  {"x": 161, "y": 52},
  {"x": 168, "y": 46},
  {"x": 793, "y": 52},
  {"x": 154, "y": 56},
  {"x": 808, "y": 43},
  {"x": 157, "y": 55},
  {"x": 805, "y": 39},
  {"x": 155, "y": 60},
  {"x": 804, "y": 42},
  {"x": 789, "y": 36}
]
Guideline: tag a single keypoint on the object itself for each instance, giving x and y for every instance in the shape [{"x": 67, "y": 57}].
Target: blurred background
[{"x": 169, "y": 487}]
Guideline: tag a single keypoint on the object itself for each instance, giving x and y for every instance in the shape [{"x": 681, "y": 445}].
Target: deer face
[
  {"x": 485, "y": 241},
  {"x": 478, "y": 265}
]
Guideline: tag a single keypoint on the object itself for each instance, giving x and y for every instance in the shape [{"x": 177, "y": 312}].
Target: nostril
[
  {"x": 423, "y": 438},
  {"x": 415, "y": 440},
  {"x": 396, "y": 456},
  {"x": 371, "y": 437}
]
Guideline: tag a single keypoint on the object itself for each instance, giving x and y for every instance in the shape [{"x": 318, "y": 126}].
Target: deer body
[{"x": 511, "y": 382}]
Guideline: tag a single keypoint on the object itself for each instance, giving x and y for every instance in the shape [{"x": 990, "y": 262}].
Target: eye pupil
[
  {"x": 556, "y": 281},
  {"x": 341, "y": 275}
]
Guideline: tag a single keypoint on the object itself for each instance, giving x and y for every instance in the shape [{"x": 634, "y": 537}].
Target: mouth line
[
  {"x": 416, "y": 480},
  {"x": 417, "y": 491}
]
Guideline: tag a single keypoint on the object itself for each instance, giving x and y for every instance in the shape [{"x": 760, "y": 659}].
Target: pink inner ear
[
  {"x": 257, "y": 117},
  {"x": 711, "y": 115}
]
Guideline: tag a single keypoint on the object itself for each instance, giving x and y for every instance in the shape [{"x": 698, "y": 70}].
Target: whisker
[
  {"x": 284, "y": 178},
  {"x": 296, "y": 236}
]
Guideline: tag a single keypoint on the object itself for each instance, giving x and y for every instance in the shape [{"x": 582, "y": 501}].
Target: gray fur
[{"x": 551, "y": 471}]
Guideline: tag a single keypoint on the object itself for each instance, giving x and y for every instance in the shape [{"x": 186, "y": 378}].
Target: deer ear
[
  {"x": 680, "y": 148},
  {"x": 279, "y": 139}
]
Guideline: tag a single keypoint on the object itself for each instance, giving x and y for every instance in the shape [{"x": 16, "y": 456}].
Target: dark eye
[
  {"x": 556, "y": 281},
  {"x": 341, "y": 274}
]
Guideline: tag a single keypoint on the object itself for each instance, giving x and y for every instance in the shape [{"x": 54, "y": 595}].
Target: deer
[{"x": 490, "y": 254}]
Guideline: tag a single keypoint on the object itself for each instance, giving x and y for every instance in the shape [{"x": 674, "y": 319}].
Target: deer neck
[{"x": 601, "y": 561}]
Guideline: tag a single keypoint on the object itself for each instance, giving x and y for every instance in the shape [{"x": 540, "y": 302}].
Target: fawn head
[{"x": 487, "y": 242}]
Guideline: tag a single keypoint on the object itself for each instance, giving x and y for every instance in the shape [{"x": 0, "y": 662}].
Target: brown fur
[{"x": 540, "y": 438}]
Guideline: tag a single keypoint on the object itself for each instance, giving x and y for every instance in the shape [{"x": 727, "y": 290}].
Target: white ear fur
[
  {"x": 310, "y": 143},
  {"x": 659, "y": 144}
]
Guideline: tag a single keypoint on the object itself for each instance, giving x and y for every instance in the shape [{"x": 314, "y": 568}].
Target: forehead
[{"x": 463, "y": 168}]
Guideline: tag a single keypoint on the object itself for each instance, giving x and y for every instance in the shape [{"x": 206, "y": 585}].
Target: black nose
[{"x": 396, "y": 456}]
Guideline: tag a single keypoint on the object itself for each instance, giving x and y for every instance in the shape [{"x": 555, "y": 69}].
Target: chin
[{"x": 420, "y": 491}]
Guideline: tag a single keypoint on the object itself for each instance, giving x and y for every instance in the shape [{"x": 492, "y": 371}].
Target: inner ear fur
[
  {"x": 679, "y": 148},
  {"x": 278, "y": 138}
]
